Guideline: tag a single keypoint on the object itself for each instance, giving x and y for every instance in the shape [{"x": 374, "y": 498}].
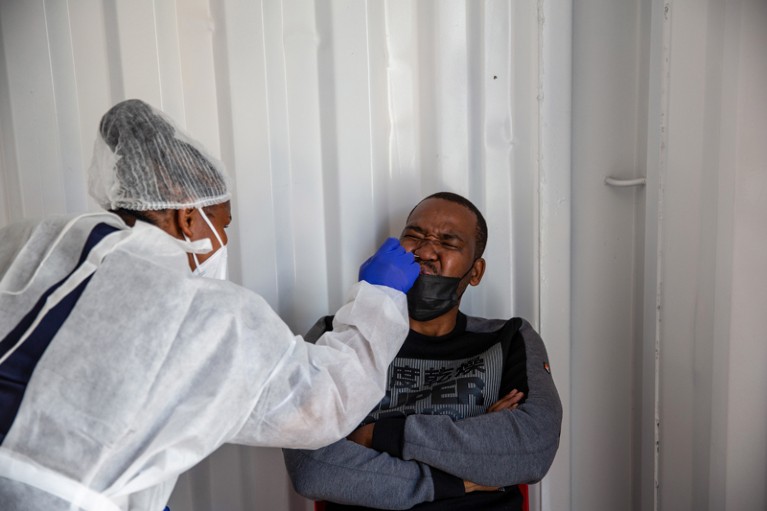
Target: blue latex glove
[{"x": 391, "y": 266}]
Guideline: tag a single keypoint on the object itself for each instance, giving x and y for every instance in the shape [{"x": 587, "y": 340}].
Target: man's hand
[
  {"x": 508, "y": 402},
  {"x": 363, "y": 435},
  {"x": 469, "y": 487}
]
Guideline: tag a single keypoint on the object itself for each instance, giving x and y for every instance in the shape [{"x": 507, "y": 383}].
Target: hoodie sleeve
[{"x": 348, "y": 473}]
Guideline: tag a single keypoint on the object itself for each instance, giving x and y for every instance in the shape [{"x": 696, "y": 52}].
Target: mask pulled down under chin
[{"x": 431, "y": 296}]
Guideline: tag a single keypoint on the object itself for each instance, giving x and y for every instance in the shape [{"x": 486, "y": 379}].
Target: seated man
[{"x": 471, "y": 410}]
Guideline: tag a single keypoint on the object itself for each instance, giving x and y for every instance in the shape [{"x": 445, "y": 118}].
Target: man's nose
[{"x": 426, "y": 249}]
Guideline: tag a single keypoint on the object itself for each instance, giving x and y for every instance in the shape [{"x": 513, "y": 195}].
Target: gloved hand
[{"x": 391, "y": 266}]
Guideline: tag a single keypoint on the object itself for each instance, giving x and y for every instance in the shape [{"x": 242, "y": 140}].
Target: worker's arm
[{"x": 315, "y": 394}]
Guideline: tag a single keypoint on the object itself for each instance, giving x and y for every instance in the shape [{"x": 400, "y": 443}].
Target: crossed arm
[
  {"x": 439, "y": 459},
  {"x": 364, "y": 434},
  {"x": 352, "y": 472}
]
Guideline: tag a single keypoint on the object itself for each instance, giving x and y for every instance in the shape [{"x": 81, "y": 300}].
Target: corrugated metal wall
[{"x": 333, "y": 117}]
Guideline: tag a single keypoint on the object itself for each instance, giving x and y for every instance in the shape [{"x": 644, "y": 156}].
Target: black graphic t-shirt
[{"x": 460, "y": 374}]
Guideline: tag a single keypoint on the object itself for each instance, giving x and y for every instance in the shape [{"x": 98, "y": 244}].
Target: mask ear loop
[
  {"x": 215, "y": 233},
  {"x": 210, "y": 224},
  {"x": 201, "y": 246},
  {"x": 194, "y": 254}
]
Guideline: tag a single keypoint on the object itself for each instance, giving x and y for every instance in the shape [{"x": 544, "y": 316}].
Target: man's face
[{"x": 442, "y": 236}]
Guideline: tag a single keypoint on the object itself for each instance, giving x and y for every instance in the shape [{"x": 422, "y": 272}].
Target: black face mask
[{"x": 433, "y": 295}]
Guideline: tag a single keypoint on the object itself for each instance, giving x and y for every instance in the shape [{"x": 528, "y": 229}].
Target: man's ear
[
  {"x": 184, "y": 219},
  {"x": 477, "y": 270}
]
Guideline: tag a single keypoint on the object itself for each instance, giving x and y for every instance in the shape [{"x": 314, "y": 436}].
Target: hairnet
[{"x": 141, "y": 161}]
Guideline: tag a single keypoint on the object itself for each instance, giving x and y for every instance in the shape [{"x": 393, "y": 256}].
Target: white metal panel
[
  {"x": 138, "y": 57},
  {"x": 10, "y": 198},
  {"x": 93, "y": 79},
  {"x": 353, "y": 202},
  {"x": 67, "y": 111},
  {"x": 491, "y": 144},
  {"x": 171, "y": 61},
  {"x": 656, "y": 140},
  {"x": 712, "y": 450},
  {"x": 280, "y": 154},
  {"x": 680, "y": 372},
  {"x": 555, "y": 206},
  {"x": 451, "y": 94},
  {"x": 746, "y": 448},
  {"x": 604, "y": 338},
  {"x": 254, "y": 226},
  {"x": 519, "y": 251},
  {"x": 405, "y": 147},
  {"x": 33, "y": 110},
  {"x": 297, "y": 181}
]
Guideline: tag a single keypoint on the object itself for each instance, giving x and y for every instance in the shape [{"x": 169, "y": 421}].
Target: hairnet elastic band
[{"x": 131, "y": 206}]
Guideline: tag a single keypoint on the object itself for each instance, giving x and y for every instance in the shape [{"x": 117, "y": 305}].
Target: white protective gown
[{"x": 155, "y": 368}]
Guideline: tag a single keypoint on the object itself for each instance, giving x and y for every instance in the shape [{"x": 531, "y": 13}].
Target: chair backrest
[{"x": 525, "y": 499}]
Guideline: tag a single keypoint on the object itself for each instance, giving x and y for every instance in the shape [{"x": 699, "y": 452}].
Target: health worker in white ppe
[{"x": 125, "y": 360}]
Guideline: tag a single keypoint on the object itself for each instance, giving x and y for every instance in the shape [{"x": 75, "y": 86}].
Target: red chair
[{"x": 525, "y": 498}]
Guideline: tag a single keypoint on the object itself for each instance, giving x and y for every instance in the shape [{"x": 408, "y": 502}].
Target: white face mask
[{"x": 215, "y": 266}]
